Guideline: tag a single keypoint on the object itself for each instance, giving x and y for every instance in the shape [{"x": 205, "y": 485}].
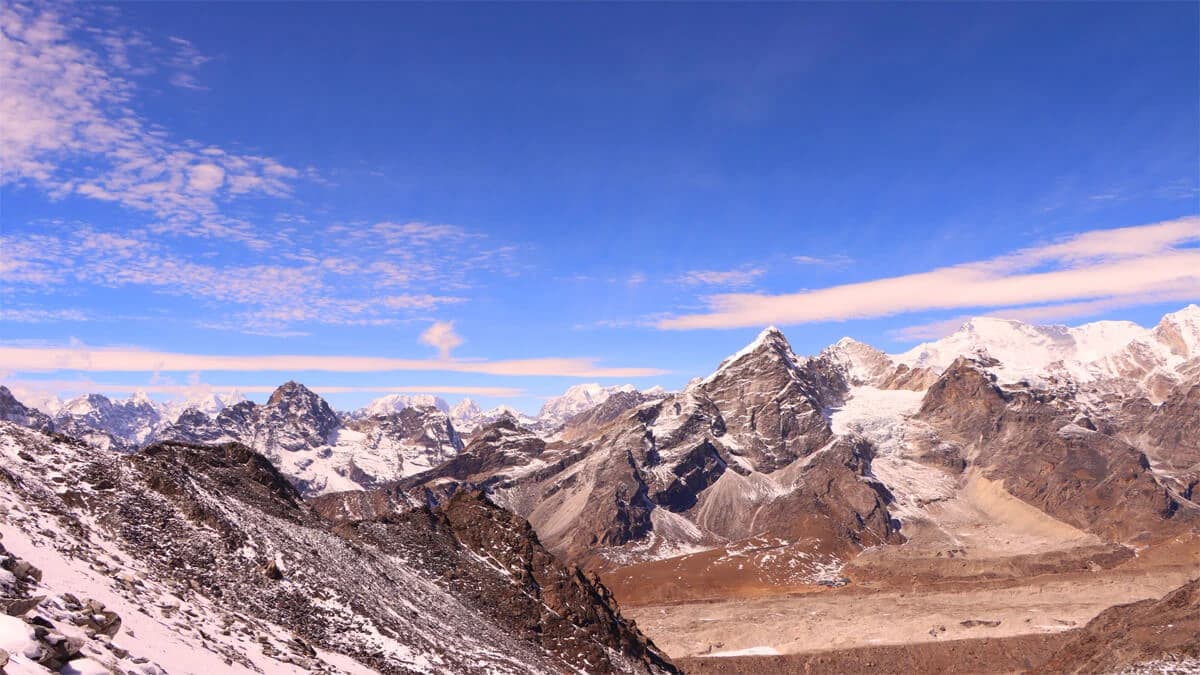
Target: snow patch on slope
[{"x": 881, "y": 417}]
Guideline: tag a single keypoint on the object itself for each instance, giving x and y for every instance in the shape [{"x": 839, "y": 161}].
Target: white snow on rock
[
  {"x": 1093, "y": 354},
  {"x": 391, "y": 403},
  {"x": 577, "y": 399},
  {"x": 208, "y": 402},
  {"x": 749, "y": 651},
  {"x": 881, "y": 417}
]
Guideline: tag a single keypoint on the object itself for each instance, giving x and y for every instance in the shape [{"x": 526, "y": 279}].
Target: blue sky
[{"x": 505, "y": 200}]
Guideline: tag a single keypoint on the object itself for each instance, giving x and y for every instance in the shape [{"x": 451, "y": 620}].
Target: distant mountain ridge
[{"x": 1101, "y": 364}]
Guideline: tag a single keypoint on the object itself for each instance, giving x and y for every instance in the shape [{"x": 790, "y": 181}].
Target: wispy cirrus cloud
[
  {"x": 68, "y": 125},
  {"x": 186, "y": 60},
  {"x": 738, "y": 277},
  {"x": 1137, "y": 264},
  {"x": 341, "y": 286},
  {"x": 37, "y": 315}
]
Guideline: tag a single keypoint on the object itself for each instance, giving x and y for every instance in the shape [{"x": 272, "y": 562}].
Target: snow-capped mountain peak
[
  {"x": 1180, "y": 331},
  {"x": 85, "y": 404},
  {"x": 116, "y": 425},
  {"x": 770, "y": 341},
  {"x": 577, "y": 399},
  {"x": 465, "y": 411},
  {"x": 1101, "y": 351},
  {"x": 393, "y": 403}
]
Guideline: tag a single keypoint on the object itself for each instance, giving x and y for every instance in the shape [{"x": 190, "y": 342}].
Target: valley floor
[{"x": 991, "y": 620}]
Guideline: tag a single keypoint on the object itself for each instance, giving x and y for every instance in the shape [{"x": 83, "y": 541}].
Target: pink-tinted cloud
[
  {"x": 441, "y": 336},
  {"x": 1135, "y": 262},
  {"x": 40, "y": 388},
  {"x": 81, "y": 358}
]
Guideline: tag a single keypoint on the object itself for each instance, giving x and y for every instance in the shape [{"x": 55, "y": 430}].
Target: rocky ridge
[
  {"x": 321, "y": 451},
  {"x": 209, "y": 553}
]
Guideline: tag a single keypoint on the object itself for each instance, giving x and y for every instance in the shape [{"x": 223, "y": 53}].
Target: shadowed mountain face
[
  {"x": 12, "y": 410},
  {"x": 464, "y": 587}
]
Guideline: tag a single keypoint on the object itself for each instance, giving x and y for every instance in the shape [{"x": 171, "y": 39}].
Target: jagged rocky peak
[
  {"x": 465, "y": 414},
  {"x": 469, "y": 418},
  {"x": 294, "y": 404},
  {"x": 117, "y": 425},
  {"x": 862, "y": 362},
  {"x": 770, "y": 341},
  {"x": 770, "y": 401}
]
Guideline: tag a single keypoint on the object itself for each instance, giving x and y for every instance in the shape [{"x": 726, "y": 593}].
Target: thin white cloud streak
[
  {"x": 85, "y": 359},
  {"x": 721, "y": 277},
  {"x": 838, "y": 259},
  {"x": 1144, "y": 261},
  {"x": 87, "y": 386}
]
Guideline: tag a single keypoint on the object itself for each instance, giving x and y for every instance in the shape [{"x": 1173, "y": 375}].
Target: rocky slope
[
  {"x": 185, "y": 557},
  {"x": 1048, "y": 452},
  {"x": 1151, "y": 636}
]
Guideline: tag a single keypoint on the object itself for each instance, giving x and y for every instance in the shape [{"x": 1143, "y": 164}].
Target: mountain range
[{"x": 1001, "y": 453}]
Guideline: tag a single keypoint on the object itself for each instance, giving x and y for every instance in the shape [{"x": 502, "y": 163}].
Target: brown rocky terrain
[
  {"x": 1160, "y": 630},
  {"x": 1049, "y": 454},
  {"x": 463, "y": 587}
]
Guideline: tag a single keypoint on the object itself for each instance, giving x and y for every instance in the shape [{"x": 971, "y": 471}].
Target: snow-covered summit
[
  {"x": 393, "y": 403},
  {"x": 122, "y": 424},
  {"x": 464, "y": 413},
  {"x": 208, "y": 402},
  {"x": 1101, "y": 351},
  {"x": 577, "y": 399}
]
